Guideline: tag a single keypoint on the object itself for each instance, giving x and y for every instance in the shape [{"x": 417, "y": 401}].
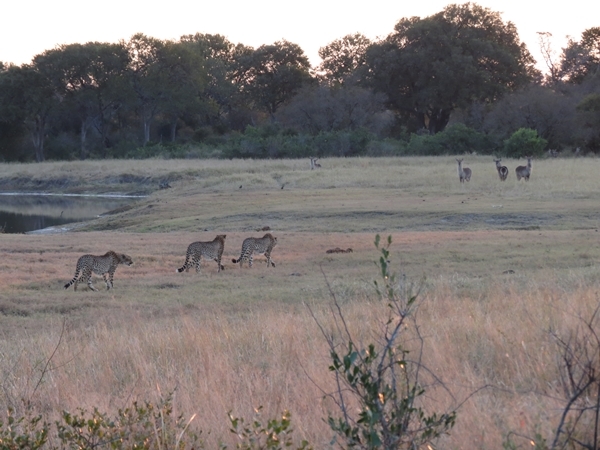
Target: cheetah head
[{"x": 125, "y": 259}]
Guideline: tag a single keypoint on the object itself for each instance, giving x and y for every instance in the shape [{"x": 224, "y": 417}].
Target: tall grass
[{"x": 495, "y": 352}]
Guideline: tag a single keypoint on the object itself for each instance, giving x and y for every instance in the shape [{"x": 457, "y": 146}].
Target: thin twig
[{"x": 45, "y": 369}]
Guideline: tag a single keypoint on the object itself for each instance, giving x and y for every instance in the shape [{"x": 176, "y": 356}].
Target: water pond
[{"x": 22, "y": 213}]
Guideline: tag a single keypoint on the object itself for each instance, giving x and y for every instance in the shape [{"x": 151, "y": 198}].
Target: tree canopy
[
  {"x": 429, "y": 67},
  {"x": 582, "y": 58},
  {"x": 272, "y": 74},
  {"x": 461, "y": 66},
  {"x": 88, "y": 80},
  {"x": 27, "y": 98},
  {"x": 343, "y": 57}
]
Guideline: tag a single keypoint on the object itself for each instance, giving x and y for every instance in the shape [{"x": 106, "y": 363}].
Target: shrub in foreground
[{"x": 383, "y": 379}]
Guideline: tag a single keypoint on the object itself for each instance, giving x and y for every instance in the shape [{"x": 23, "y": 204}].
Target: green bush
[
  {"x": 275, "y": 142},
  {"x": 524, "y": 142},
  {"x": 454, "y": 140},
  {"x": 385, "y": 384},
  {"x": 275, "y": 435},
  {"x": 25, "y": 432},
  {"x": 145, "y": 426}
]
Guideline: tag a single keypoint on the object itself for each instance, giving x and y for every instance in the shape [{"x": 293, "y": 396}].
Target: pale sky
[{"x": 31, "y": 27}]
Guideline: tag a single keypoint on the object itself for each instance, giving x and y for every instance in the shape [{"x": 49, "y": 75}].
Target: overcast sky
[{"x": 30, "y": 27}]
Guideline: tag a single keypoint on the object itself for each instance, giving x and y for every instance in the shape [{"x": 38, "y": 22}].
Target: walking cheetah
[
  {"x": 101, "y": 265},
  {"x": 210, "y": 250},
  {"x": 263, "y": 245}
]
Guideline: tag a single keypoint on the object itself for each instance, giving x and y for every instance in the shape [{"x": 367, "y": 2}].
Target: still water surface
[{"x": 20, "y": 213}]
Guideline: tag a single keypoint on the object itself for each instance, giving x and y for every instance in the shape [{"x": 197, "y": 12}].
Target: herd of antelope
[{"x": 464, "y": 173}]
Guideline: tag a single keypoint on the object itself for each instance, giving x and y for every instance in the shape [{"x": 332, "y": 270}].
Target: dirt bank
[
  {"x": 126, "y": 184},
  {"x": 127, "y": 177}
]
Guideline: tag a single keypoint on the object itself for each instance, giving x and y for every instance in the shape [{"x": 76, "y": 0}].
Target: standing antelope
[
  {"x": 524, "y": 171},
  {"x": 464, "y": 173},
  {"x": 314, "y": 164},
  {"x": 502, "y": 170}
]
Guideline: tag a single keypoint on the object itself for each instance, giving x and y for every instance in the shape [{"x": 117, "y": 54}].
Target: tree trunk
[
  {"x": 434, "y": 120},
  {"x": 146, "y": 131},
  {"x": 83, "y": 135},
  {"x": 37, "y": 136},
  {"x": 173, "y": 130},
  {"x": 148, "y": 112},
  {"x": 102, "y": 128},
  {"x": 438, "y": 119}
]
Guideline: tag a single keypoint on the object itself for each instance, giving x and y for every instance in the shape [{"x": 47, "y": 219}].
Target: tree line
[{"x": 459, "y": 80}]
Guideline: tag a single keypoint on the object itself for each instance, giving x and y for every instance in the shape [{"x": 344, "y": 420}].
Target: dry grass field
[{"x": 501, "y": 264}]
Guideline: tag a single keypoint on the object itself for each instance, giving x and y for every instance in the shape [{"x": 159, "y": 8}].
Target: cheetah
[
  {"x": 101, "y": 265},
  {"x": 210, "y": 250},
  {"x": 263, "y": 245}
]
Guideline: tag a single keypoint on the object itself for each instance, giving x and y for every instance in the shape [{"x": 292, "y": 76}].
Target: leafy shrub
[
  {"x": 26, "y": 432},
  {"x": 342, "y": 143},
  {"x": 275, "y": 435},
  {"x": 145, "y": 426},
  {"x": 382, "y": 380},
  {"x": 454, "y": 140},
  {"x": 276, "y": 142},
  {"x": 386, "y": 147},
  {"x": 524, "y": 142}
]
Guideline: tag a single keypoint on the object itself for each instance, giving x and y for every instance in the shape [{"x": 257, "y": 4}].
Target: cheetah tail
[{"x": 235, "y": 261}]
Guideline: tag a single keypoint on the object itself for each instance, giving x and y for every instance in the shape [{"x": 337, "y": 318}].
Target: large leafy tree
[
  {"x": 343, "y": 57},
  {"x": 430, "y": 67},
  {"x": 27, "y": 97},
  {"x": 167, "y": 78},
  {"x": 185, "y": 83},
  {"x": 581, "y": 59},
  {"x": 271, "y": 74},
  {"x": 10, "y": 126},
  {"x": 221, "y": 94},
  {"x": 588, "y": 114},
  {"x": 89, "y": 80},
  {"x": 146, "y": 77}
]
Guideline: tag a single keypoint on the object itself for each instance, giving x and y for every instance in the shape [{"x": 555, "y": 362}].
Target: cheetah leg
[
  {"x": 250, "y": 260},
  {"x": 269, "y": 261},
  {"x": 89, "y": 280},
  {"x": 110, "y": 279},
  {"x": 196, "y": 262},
  {"x": 90, "y": 283},
  {"x": 220, "y": 267},
  {"x": 106, "y": 281}
]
